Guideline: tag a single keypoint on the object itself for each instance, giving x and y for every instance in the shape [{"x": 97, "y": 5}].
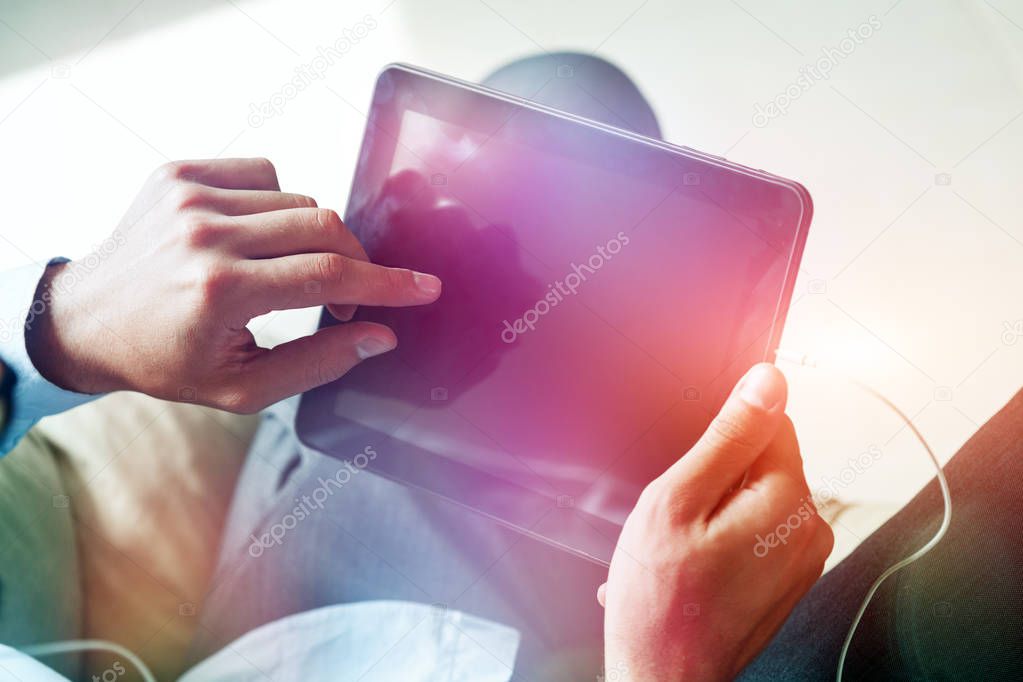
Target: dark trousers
[{"x": 957, "y": 613}]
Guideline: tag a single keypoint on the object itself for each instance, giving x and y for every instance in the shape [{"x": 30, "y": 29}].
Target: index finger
[
  {"x": 775, "y": 481},
  {"x": 255, "y": 173},
  {"x": 303, "y": 280}
]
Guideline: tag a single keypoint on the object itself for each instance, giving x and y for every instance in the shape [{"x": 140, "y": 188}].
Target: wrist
[
  {"x": 644, "y": 657},
  {"x": 58, "y": 331}
]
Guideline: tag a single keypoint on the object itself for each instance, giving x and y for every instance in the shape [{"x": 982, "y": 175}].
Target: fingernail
[
  {"x": 428, "y": 284},
  {"x": 762, "y": 387},
  {"x": 371, "y": 346}
]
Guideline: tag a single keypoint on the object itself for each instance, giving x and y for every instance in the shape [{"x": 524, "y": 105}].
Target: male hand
[
  {"x": 207, "y": 246},
  {"x": 694, "y": 592}
]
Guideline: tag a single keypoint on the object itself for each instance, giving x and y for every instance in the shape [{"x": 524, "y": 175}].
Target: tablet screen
[{"x": 601, "y": 296}]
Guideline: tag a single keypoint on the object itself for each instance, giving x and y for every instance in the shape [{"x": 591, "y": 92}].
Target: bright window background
[{"x": 913, "y": 275}]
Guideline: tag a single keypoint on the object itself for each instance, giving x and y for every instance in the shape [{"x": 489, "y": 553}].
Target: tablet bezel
[{"x": 573, "y": 530}]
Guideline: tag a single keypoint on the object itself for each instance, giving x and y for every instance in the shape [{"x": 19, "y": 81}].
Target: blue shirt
[
  {"x": 33, "y": 397},
  {"x": 370, "y": 641}
]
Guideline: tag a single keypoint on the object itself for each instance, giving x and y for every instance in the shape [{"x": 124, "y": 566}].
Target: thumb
[
  {"x": 307, "y": 362},
  {"x": 735, "y": 438}
]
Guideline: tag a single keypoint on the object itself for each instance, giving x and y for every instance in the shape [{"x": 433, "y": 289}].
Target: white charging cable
[
  {"x": 806, "y": 361},
  {"x": 77, "y": 645}
]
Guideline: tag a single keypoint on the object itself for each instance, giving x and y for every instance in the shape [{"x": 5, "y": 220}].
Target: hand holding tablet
[{"x": 693, "y": 591}]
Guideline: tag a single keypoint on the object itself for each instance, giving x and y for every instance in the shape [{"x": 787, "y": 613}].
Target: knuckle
[
  {"x": 728, "y": 432},
  {"x": 329, "y": 267},
  {"x": 825, "y": 539},
  {"x": 791, "y": 487},
  {"x": 325, "y": 371},
  {"x": 264, "y": 164},
  {"x": 167, "y": 171},
  {"x": 200, "y": 233},
  {"x": 215, "y": 282},
  {"x": 398, "y": 279},
  {"x": 240, "y": 401},
  {"x": 816, "y": 547},
  {"x": 664, "y": 504},
  {"x": 651, "y": 494},
  {"x": 328, "y": 221},
  {"x": 186, "y": 195},
  {"x": 175, "y": 171}
]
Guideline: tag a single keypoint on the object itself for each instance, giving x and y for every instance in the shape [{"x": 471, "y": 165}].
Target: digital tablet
[{"x": 603, "y": 292}]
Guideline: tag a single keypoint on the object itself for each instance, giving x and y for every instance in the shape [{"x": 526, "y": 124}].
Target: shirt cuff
[{"x": 32, "y": 397}]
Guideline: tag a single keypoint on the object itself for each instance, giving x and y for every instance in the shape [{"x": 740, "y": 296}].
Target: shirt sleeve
[
  {"x": 32, "y": 397},
  {"x": 18, "y": 667}
]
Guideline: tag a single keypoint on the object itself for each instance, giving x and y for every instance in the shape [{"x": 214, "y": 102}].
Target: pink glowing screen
[{"x": 602, "y": 293}]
